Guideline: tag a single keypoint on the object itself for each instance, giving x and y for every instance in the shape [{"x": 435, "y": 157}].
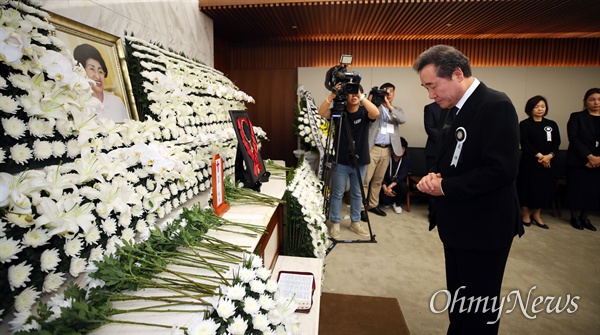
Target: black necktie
[{"x": 449, "y": 119}]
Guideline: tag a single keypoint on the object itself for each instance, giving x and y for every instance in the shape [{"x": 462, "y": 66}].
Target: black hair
[
  {"x": 587, "y": 95},
  {"x": 403, "y": 141},
  {"x": 532, "y": 102},
  {"x": 83, "y": 52},
  {"x": 446, "y": 59},
  {"x": 386, "y": 85}
]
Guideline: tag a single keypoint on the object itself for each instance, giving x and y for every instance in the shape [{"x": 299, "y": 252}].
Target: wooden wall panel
[
  {"x": 491, "y": 52},
  {"x": 274, "y": 91}
]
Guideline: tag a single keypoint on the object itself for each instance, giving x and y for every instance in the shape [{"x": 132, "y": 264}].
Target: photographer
[
  {"x": 358, "y": 117},
  {"x": 393, "y": 187},
  {"x": 384, "y": 134}
]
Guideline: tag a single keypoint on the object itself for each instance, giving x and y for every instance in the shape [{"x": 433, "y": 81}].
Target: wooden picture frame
[
  {"x": 110, "y": 48},
  {"x": 249, "y": 166}
]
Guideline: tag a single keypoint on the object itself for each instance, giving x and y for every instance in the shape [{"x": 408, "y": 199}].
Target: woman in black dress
[
  {"x": 583, "y": 161},
  {"x": 540, "y": 139}
]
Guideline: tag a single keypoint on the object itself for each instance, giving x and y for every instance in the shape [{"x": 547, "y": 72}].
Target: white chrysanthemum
[
  {"x": 8, "y": 105},
  {"x": 246, "y": 275},
  {"x": 77, "y": 266},
  {"x": 14, "y": 127},
  {"x": 9, "y": 249},
  {"x": 53, "y": 281},
  {"x": 58, "y": 149},
  {"x": 109, "y": 226},
  {"x": 39, "y": 127},
  {"x": 203, "y": 327},
  {"x": 2, "y": 156},
  {"x": 238, "y": 326},
  {"x": 20, "y": 153},
  {"x": 3, "y": 85},
  {"x": 18, "y": 275},
  {"x": 16, "y": 324},
  {"x": 257, "y": 286},
  {"x": 263, "y": 273},
  {"x": 272, "y": 286},
  {"x": 49, "y": 260},
  {"x": 225, "y": 308},
  {"x": 92, "y": 236},
  {"x": 128, "y": 234},
  {"x": 97, "y": 254},
  {"x": 36, "y": 237},
  {"x": 113, "y": 243},
  {"x": 266, "y": 303},
  {"x": 73, "y": 148},
  {"x": 42, "y": 150},
  {"x": 260, "y": 322},
  {"x": 125, "y": 219},
  {"x": 73, "y": 247},
  {"x": 236, "y": 292},
  {"x": 251, "y": 305}
]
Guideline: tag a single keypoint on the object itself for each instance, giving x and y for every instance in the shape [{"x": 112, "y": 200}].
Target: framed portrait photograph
[
  {"x": 249, "y": 166},
  {"x": 102, "y": 56}
]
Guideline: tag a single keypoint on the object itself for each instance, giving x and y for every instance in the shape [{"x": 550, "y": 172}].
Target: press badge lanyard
[
  {"x": 397, "y": 169},
  {"x": 388, "y": 128}
]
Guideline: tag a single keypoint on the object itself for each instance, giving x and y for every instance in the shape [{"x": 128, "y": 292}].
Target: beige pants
[{"x": 380, "y": 160}]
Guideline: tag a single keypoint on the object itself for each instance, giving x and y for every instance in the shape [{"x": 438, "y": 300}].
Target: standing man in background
[
  {"x": 432, "y": 115},
  {"x": 474, "y": 181},
  {"x": 384, "y": 133},
  {"x": 432, "y": 118}
]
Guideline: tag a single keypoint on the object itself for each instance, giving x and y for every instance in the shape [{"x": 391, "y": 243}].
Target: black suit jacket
[
  {"x": 479, "y": 209},
  {"x": 582, "y": 139},
  {"x": 432, "y": 117}
]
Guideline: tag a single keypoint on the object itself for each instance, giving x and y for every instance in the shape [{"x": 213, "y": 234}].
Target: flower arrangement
[
  {"x": 305, "y": 219},
  {"x": 308, "y": 133},
  {"x": 171, "y": 273},
  {"x": 250, "y": 304},
  {"x": 76, "y": 188}
]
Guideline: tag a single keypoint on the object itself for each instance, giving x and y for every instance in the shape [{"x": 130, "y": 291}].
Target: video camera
[
  {"x": 350, "y": 83},
  {"x": 378, "y": 95}
]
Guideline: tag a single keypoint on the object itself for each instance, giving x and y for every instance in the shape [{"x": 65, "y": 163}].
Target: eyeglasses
[{"x": 96, "y": 70}]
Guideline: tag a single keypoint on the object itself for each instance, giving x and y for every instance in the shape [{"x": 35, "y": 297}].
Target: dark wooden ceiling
[{"x": 247, "y": 21}]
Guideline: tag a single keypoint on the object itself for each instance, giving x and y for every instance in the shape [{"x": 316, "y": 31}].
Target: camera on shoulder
[{"x": 350, "y": 81}]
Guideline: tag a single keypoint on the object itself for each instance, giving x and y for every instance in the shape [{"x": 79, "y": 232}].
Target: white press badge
[
  {"x": 461, "y": 136},
  {"x": 390, "y": 128},
  {"x": 548, "y": 131}
]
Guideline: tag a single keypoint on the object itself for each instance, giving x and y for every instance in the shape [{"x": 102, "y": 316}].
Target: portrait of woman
[
  {"x": 96, "y": 70},
  {"x": 540, "y": 140}
]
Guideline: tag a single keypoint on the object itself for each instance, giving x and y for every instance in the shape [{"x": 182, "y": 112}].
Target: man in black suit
[
  {"x": 432, "y": 115},
  {"x": 432, "y": 118},
  {"x": 476, "y": 207}
]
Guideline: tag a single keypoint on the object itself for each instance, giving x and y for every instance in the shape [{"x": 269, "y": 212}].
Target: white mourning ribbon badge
[
  {"x": 548, "y": 131},
  {"x": 461, "y": 136}
]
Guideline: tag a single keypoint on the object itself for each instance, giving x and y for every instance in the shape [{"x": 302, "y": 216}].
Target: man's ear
[{"x": 458, "y": 74}]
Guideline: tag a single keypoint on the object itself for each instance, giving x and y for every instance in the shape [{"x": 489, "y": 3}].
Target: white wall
[
  {"x": 175, "y": 24},
  {"x": 563, "y": 87}
]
